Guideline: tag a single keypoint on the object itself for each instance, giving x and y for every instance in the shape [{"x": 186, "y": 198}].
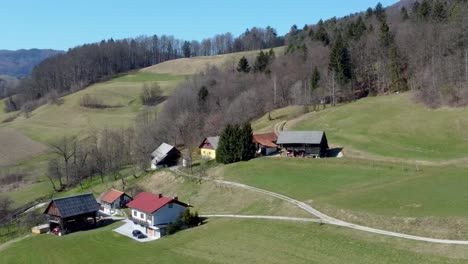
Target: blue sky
[{"x": 65, "y": 24}]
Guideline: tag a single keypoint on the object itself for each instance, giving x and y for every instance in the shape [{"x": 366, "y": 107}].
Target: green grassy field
[
  {"x": 427, "y": 200},
  {"x": 197, "y": 64},
  {"x": 231, "y": 241},
  {"x": 393, "y": 126}
]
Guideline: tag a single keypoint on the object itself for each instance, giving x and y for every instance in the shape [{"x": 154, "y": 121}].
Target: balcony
[{"x": 139, "y": 221}]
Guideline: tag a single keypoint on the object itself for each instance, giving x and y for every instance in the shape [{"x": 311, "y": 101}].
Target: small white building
[
  {"x": 112, "y": 200},
  {"x": 151, "y": 213}
]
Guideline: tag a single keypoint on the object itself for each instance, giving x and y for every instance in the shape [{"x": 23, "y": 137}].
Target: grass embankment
[
  {"x": 424, "y": 200},
  {"x": 393, "y": 126},
  {"x": 232, "y": 241}
]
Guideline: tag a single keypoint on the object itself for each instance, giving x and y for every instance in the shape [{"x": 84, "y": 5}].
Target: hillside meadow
[
  {"x": 423, "y": 200},
  {"x": 394, "y": 127},
  {"x": 232, "y": 241}
]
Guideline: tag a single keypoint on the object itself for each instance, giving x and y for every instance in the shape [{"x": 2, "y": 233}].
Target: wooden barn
[
  {"x": 164, "y": 156},
  {"x": 312, "y": 144},
  {"x": 72, "y": 213}
]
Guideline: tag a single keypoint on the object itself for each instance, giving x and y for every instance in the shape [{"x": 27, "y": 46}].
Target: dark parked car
[
  {"x": 136, "y": 233},
  {"x": 140, "y": 236}
]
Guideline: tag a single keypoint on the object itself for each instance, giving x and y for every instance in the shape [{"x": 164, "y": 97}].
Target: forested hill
[
  {"x": 90, "y": 63},
  {"x": 412, "y": 45},
  {"x": 19, "y": 63}
]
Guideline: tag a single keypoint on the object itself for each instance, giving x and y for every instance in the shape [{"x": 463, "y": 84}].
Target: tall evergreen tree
[
  {"x": 386, "y": 37},
  {"x": 262, "y": 61},
  {"x": 369, "y": 13},
  {"x": 315, "y": 79},
  {"x": 404, "y": 14},
  {"x": 243, "y": 65},
  {"x": 322, "y": 34},
  {"x": 246, "y": 144},
  {"x": 186, "y": 48},
  {"x": 340, "y": 61},
  {"x": 380, "y": 12},
  {"x": 425, "y": 9},
  {"x": 226, "y": 152},
  {"x": 438, "y": 12},
  {"x": 399, "y": 83},
  {"x": 202, "y": 94}
]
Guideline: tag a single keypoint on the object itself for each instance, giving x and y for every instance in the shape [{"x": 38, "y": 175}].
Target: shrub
[
  {"x": 151, "y": 94},
  {"x": 92, "y": 102}
]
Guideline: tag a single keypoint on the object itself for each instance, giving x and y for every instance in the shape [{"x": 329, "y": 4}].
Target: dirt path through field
[{"x": 328, "y": 219}]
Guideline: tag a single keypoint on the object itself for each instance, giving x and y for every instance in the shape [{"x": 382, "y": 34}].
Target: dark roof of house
[
  {"x": 267, "y": 139},
  {"x": 111, "y": 195},
  {"x": 150, "y": 203},
  {"x": 75, "y": 205},
  {"x": 300, "y": 137},
  {"x": 161, "y": 152}
]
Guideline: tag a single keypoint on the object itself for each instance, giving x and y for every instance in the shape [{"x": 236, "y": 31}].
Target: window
[
  {"x": 170, "y": 205},
  {"x": 134, "y": 213},
  {"x": 142, "y": 216}
]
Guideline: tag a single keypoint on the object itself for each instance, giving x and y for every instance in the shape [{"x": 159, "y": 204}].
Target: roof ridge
[{"x": 71, "y": 196}]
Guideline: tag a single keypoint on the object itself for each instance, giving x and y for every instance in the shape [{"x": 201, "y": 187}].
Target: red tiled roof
[
  {"x": 267, "y": 139},
  {"x": 111, "y": 195},
  {"x": 150, "y": 203}
]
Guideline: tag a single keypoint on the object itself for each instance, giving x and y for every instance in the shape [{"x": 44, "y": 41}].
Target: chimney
[
  {"x": 159, "y": 195},
  {"x": 175, "y": 198}
]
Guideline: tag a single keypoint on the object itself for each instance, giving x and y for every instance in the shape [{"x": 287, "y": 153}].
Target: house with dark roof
[
  {"x": 164, "y": 156},
  {"x": 266, "y": 143},
  {"x": 72, "y": 213},
  {"x": 208, "y": 147},
  {"x": 112, "y": 200},
  {"x": 151, "y": 213},
  {"x": 304, "y": 143}
]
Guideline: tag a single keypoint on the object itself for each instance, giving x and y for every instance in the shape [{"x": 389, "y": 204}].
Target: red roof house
[
  {"x": 113, "y": 199},
  {"x": 266, "y": 143},
  {"x": 152, "y": 212}
]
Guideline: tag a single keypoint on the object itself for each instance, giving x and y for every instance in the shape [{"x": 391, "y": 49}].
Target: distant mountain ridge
[{"x": 19, "y": 63}]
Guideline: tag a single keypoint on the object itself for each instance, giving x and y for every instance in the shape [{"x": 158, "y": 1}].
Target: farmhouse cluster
[
  {"x": 150, "y": 214},
  {"x": 306, "y": 144}
]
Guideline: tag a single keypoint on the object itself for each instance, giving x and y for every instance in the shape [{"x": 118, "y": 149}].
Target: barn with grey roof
[{"x": 304, "y": 143}]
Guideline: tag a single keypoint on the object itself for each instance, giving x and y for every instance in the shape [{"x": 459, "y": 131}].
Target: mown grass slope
[
  {"x": 424, "y": 200},
  {"x": 198, "y": 64},
  {"x": 231, "y": 241},
  {"x": 393, "y": 126}
]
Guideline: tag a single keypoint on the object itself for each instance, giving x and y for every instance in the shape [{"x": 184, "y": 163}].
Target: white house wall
[{"x": 167, "y": 215}]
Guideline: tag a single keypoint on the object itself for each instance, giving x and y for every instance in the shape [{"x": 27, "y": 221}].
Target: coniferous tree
[
  {"x": 379, "y": 12},
  {"x": 322, "y": 34},
  {"x": 369, "y": 12},
  {"x": 246, "y": 144},
  {"x": 438, "y": 12},
  {"x": 203, "y": 94},
  {"x": 261, "y": 62},
  {"x": 243, "y": 65},
  {"x": 404, "y": 14},
  {"x": 315, "y": 79},
  {"x": 224, "y": 152},
  {"x": 386, "y": 38},
  {"x": 425, "y": 9},
  {"x": 340, "y": 62},
  {"x": 399, "y": 83},
  {"x": 186, "y": 47}
]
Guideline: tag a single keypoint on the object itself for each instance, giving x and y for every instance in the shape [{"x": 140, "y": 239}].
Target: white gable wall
[{"x": 166, "y": 214}]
